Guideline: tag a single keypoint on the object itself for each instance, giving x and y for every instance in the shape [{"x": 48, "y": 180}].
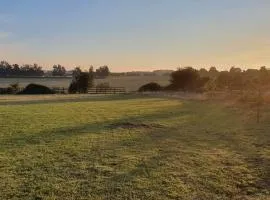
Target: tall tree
[
  {"x": 81, "y": 81},
  {"x": 185, "y": 79},
  {"x": 58, "y": 70},
  {"x": 91, "y": 77}
]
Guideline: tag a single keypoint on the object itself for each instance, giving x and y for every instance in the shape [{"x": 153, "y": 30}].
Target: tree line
[
  {"x": 10, "y": 70},
  {"x": 189, "y": 79},
  {"x": 192, "y": 80},
  {"x": 7, "y": 70},
  {"x": 236, "y": 79}
]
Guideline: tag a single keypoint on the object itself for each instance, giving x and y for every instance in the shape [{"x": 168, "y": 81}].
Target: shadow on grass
[
  {"x": 74, "y": 99},
  {"x": 154, "y": 139},
  {"x": 48, "y": 136},
  {"x": 259, "y": 167}
]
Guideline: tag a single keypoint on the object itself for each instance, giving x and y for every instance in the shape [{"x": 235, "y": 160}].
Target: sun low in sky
[{"x": 134, "y": 35}]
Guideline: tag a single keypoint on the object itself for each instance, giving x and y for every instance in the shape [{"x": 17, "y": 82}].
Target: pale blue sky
[{"x": 136, "y": 34}]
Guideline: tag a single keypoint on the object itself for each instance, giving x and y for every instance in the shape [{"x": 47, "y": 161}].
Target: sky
[{"x": 133, "y": 35}]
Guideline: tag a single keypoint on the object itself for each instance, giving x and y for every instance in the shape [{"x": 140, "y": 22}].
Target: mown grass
[{"x": 68, "y": 149}]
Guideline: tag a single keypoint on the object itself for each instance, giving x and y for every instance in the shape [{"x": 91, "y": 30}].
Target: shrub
[
  {"x": 151, "y": 87},
  {"x": 36, "y": 89}
]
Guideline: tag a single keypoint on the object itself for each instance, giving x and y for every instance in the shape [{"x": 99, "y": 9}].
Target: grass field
[{"x": 131, "y": 147}]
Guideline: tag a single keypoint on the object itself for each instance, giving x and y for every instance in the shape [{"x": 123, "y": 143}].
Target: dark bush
[
  {"x": 151, "y": 87},
  {"x": 36, "y": 89}
]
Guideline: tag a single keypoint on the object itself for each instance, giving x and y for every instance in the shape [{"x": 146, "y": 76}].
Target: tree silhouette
[
  {"x": 185, "y": 79},
  {"x": 58, "y": 70},
  {"x": 81, "y": 81},
  {"x": 102, "y": 71}
]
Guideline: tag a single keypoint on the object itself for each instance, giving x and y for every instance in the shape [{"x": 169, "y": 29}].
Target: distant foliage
[
  {"x": 7, "y": 70},
  {"x": 36, "y": 89},
  {"x": 151, "y": 87},
  {"x": 58, "y": 70},
  {"x": 102, "y": 72},
  {"x": 236, "y": 79},
  {"x": 223, "y": 80},
  {"x": 189, "y": 79},
  {"x": 82, "y": 81}
]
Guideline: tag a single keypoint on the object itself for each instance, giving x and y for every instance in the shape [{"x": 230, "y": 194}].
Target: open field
[
  {"x": 131, "y": 147},
  {"x": 131, "y": 83}
]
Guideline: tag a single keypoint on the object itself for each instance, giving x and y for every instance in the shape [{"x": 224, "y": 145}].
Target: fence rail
[
  {"x": 62, "y": 90},
  {"x": 110, "y": 90}
]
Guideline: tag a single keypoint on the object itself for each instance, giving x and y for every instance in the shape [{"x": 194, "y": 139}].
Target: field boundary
[
  {"x": 109, "y": 90},
  {"x": 63, "y": 90}
]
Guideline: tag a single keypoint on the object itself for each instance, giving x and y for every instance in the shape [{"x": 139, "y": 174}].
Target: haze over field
[{"x": 136, "y": 35}]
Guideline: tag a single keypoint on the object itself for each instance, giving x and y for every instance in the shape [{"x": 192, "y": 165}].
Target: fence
[
  {"x": 109, "y": 90},
  {"x": 8, "y": 90},
  {"x": 62, "y": 90}
]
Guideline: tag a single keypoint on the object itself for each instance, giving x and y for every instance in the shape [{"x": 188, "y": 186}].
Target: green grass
[{"x": 67, "y": 149}]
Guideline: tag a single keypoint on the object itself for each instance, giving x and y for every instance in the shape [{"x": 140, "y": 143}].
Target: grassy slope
[{"x": 65, "y": 150}]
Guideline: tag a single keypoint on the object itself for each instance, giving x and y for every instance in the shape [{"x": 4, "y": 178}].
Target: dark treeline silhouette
[
  {"x": 237, "y": 79},
  {"x": 15, "y": 70},
  {"x": 102, "y": 72},
  {"x": 59, "y": 70},
  {"x": 191, "y": 80}
]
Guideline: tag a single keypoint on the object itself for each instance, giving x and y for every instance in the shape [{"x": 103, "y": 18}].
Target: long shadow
[
  {"x": 142, "y": 169},
  {"x": 48, "y": 136},
  {"x": 260, "y": 142},
  {"x": 259, "y": 166},
  {"x": 76, "y": 99}
]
